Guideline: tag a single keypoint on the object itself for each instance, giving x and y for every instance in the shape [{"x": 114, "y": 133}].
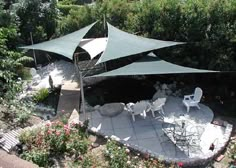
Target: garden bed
[{"x": 47, "y": 108}]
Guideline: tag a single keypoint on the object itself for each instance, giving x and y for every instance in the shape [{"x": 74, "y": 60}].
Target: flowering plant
[
  {"x": 117, "y": 156},
  {"x": 121, "y": 156},
  {"x": 55, "y": 139}
]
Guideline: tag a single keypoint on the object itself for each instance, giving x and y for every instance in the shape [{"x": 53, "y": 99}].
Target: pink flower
[
  {"x": 58, "y": 133},
  {"x": 73, "y": 124},
  {"x": 63, "y": 111},
  {"x": 180, "y": 164},
  {"x": 66, "y": 127},
  {"x": 49, "y": 132},
  {"x": 48, "y": 124}
]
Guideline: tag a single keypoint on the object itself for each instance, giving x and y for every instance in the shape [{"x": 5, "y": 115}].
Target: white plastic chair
[
  {"x": 193, "y": 100},
  {"x": 157, "y": 105},
  {"x": 139, "y": 108}
]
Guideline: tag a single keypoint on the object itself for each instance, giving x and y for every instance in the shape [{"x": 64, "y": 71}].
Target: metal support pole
[
  {"x": 32, "y": 42},
  {"x": 82, "y": 92}
]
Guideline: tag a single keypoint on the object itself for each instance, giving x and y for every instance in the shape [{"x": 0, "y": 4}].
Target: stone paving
[{"x": 146, "y": 135}]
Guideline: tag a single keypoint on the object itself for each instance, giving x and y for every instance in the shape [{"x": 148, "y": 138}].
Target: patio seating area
[{"x": 176, "y": 135}]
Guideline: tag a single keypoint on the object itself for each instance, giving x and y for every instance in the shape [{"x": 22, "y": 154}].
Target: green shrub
[
  {"x": 29, "y": 137},
  {"x": 37, "y": 156},
  {"x": 87, "y": 162},
  {"x": 24, "y": 73},
  {"x": 41, "y": 95},
  {"x": 55, "y": 139},
  {"x": 65, "y": 9},
  {"x": 22, "y": 116},
  {"x": 233, "y": 152}
]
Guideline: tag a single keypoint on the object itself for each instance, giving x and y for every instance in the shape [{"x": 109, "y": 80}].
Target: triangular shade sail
[
  {"x": 65, "y": 45},
  {"x": 121, "y": 44},
  {"x": 150, "y": 65},
  {"x": 93, "y": 46}
]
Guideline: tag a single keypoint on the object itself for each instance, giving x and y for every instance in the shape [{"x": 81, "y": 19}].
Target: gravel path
[{"x": 60, "y": 71}]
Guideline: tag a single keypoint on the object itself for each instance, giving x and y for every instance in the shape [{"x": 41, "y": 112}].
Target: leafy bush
[
  {"x": 37, "y": 156},
  {"x": 87, "y": 162},
  {"x": 41, "y": 95},
  {"x": 116, "y": 155},
  {"x": 150, "y": 163},
  {"x": 28, "y": 137},
  {"x": 24, "y": 73},
  {"x": 120, "y": 156},
  {"x": 55, "y": 139},
  {"x": 65, "y": 9},
  {"x": 233, "y": 154},
  {"x": 16, "y": 112}
]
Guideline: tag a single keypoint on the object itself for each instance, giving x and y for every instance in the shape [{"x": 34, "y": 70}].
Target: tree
[
  {"x": 10, "y": 62},
  {"x": 76, "y": 19},
  {"x": 38, "y": 17},
  {"x": 5, "y": 17}
]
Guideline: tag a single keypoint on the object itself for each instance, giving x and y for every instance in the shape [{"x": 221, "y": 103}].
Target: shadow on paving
[{"x": 119, "y": 90}]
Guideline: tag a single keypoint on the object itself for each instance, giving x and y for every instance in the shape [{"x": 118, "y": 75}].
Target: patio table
[{"x": 180, "y": 133}]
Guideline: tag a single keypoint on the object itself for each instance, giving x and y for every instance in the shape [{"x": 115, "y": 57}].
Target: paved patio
[{"x": 146, "y": 135}]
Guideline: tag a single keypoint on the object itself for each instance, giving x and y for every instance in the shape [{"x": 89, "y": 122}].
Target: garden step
[
  {"x": 11, "y": 138},
  {"x": 69, "y": 98}
]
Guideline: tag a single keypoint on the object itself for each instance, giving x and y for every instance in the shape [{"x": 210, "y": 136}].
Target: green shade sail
[
  {"x": 150, "y": 65},
  {"x": 65, "y": 45},
  {"x": 121, "y": 44}
]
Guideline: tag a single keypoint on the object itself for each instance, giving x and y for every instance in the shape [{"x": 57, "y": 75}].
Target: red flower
[
  {"x": 180, "y": 164},
  {"x": 80, "y": 158},
  {"x": 58, "y": 133},
  {"x": 49, "y": 132},
  {"x": 66, "y": 127}
]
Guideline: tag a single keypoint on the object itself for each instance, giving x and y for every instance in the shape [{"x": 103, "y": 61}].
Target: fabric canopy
[
  {"x": 149, "y": 65},
  {"x": 93, "y": 46},
  {"x": 121, "y": 44},
  {"x": 65, "y": 45}
]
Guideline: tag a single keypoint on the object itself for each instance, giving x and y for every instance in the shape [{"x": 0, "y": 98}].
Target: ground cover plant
[
  {"x": 121, "y": 156},
  {"x": 41, "y": 95},
  {"x": 233, "y": 154}
]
